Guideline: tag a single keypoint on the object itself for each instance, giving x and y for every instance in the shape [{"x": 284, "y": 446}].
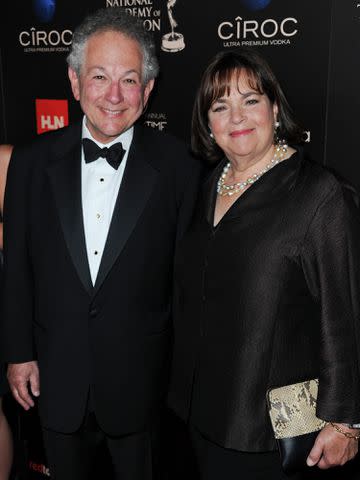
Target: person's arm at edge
[
  {"x": 5, "y": 155},
  {"x": 22, "y": 369}
]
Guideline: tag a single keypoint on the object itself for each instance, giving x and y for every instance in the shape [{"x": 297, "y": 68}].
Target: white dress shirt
[{"x": 100, "y": 184}]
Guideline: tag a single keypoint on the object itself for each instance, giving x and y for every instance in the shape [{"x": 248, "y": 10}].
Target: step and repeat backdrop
[
  {"x": 305, "y": 42},
  {"x": 312, "y": 46}
]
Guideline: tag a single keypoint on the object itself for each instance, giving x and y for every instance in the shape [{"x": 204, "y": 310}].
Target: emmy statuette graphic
[{"x": 173, "y": 41}]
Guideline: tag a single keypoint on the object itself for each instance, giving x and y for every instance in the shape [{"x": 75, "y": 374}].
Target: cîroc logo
[
  {"x": 44, "y": 10},
  {"x": 43, "y": 39},
  {"x": 255, "y": 4},
  {"x": 270, "y": 31},
  {"x": 36, "y": 41}
]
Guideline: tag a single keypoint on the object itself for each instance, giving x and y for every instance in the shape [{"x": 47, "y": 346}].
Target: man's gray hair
[{"x": 117, "y": 20}]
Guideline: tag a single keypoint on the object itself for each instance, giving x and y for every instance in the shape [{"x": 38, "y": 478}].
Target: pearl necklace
[{"x": 228, "y": 190}]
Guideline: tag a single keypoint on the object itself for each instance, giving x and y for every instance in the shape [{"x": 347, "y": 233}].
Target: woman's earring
[
  {"x": 276, "y": 136},
  {"x": 210, "y": 133}
]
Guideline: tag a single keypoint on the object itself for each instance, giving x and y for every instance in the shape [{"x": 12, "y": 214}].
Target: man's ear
[
  {"x": 74, "y": 81},
  {"x": 147, "y": 90}
]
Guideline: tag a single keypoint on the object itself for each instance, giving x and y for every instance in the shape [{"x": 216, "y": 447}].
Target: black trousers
[
  {"x": 218, "y": 463},
  {"x": 71, "y": 456}
]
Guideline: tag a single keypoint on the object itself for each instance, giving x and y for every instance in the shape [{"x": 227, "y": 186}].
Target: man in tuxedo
[{"x": 93, "y": 214}]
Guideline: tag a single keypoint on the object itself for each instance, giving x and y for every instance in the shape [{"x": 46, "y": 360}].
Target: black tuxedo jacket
[{"x": 113, "y": 337}]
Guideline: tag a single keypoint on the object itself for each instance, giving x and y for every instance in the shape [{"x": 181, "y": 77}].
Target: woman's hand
[{"x": 332, "y": 448}]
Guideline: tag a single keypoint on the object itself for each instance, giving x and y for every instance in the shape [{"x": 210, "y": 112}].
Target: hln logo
[
  {"x": 51, "y": 114},
  {"x": 51, "y": 123}
]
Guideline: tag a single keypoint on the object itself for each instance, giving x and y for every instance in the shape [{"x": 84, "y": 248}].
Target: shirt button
[
  {"x": 93, "y": 312},
  {"x": 98, "y": 215},
  {"x": 96, "y": 252},
  {"x": 101, "y": 179}
]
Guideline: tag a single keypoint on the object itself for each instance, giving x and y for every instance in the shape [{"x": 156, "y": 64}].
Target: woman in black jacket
[{"x": 267, "y": 282}]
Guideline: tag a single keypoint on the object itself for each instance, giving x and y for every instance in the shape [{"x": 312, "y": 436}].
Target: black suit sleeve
[
  {"x": 189, "y": 175},
  {"x": 331, "y": 262},
  {"x": 17, "y": 302}
]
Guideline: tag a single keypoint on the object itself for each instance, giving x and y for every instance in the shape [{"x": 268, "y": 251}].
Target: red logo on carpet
[
  {"x": 39, "y": 468},
  {"x": 51, "y": 114}
]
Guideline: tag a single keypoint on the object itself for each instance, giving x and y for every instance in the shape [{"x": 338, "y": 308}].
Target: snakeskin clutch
[{"x": 292, "y": 411}]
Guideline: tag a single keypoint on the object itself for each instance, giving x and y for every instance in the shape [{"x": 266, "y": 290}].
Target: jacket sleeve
[
  {"x": 189, "y": 174},
  {"x": 331, "y": 262},
  {"x": 17, "y": 299}
]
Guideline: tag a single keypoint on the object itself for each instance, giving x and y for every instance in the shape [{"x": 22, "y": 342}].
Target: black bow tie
[{"x": 113, "y": 155}]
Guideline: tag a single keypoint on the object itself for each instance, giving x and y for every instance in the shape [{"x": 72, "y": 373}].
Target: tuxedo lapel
[
  {"x": 65, "y": 178},
  {"x": 136, "y": 186}
]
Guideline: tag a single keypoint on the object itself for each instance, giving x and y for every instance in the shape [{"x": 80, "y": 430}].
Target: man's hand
[
  {"x": 332, "y": 448},
  {"x": 19, "y": 376}
]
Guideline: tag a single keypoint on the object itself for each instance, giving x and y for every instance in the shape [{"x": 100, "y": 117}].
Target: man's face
[{"x": 110, "y": 88}]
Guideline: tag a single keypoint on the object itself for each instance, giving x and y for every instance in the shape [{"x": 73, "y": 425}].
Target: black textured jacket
[{"x": 268, "y": 297}]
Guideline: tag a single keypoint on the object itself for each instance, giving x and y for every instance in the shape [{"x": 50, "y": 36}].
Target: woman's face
[{"x": 243, "y": 122}]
